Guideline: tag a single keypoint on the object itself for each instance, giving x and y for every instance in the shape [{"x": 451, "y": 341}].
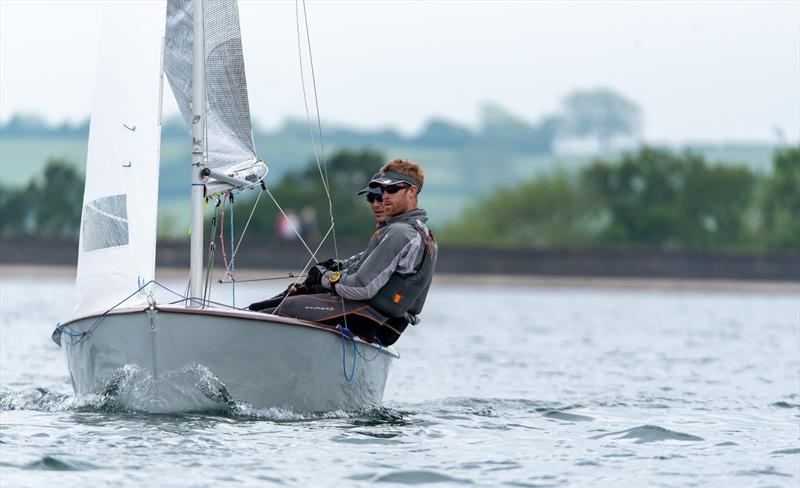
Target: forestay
[
  {"x": 116, "y": 252},
  {"x": 229, "y": 138}
]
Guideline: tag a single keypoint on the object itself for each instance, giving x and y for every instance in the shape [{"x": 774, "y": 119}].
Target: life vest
[{"x": 406, "y": 292}]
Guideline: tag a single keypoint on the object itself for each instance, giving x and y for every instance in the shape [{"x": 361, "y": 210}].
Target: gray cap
[
  {"x": 372, "y": 187},
  {"x": 393, "y": 178}
]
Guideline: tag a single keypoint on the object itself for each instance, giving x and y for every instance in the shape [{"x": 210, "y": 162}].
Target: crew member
[{"x": 379, "y": 291}]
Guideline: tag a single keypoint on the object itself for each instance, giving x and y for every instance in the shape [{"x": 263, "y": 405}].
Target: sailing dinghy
[{"x": 189, "y": 355}]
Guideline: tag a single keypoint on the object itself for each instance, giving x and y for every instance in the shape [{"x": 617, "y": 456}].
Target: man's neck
[{"x": 397, "y": 216}]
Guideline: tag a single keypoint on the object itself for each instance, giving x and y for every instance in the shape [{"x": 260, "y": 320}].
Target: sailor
[{"x": 379, "y": 291}]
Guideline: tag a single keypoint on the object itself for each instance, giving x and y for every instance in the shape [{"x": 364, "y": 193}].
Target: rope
[
  {"x": 222, "y": 234},
  {"x": 211, "y": 255},
  {"x": 347, "y": 334},
  {"x": 271, "y": 278},
  {"x": 233, "y": 256},
  {"x": 296, "y": 232},
  {"x": 305, "y": 96},
  {"x": 246, "y": 225},
  {"x": 64, "y": 329},
  {"x": 323, "y": 174},
  {"x": 308, "y": 263}
]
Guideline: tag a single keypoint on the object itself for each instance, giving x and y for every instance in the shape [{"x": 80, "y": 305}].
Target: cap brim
[
  {"x": 394, "y": 178},
  {"x": 386, "y": 181},
  {"x": 371, "y": 189}
]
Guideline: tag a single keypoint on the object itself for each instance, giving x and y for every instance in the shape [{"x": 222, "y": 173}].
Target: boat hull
[{"x": 261, "y": 360}]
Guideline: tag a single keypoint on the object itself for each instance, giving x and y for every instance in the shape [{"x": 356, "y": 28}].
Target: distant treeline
[
  {"x": 597, "y": 113},
  {"x": 651, "y": 198}
]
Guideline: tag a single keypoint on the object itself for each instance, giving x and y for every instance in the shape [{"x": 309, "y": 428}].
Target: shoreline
[{"x": 655, "y": 284}]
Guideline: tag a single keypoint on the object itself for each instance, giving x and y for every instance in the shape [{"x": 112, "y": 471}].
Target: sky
[{"x": 701, "y": 71}]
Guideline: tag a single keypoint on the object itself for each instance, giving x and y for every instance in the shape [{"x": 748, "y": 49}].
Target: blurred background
[{"x": 621, "y": 138}]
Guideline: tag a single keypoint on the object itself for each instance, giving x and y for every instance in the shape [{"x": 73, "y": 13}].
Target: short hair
[{"x": 405, "y": 167}]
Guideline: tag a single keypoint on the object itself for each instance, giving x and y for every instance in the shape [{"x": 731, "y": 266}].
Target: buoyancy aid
[{"x": 407, "y": 292}]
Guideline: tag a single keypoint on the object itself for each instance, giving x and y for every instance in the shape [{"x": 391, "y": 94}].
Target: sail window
[{"x": 105, "y": 223}]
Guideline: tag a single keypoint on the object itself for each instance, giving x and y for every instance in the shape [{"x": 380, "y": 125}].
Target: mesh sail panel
[
  {"x": 105, "y": 223},
  {"x": 229, "y": 130}
]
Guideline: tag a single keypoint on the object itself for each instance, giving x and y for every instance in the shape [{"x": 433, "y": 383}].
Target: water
[{"x": 498, "y": 387}]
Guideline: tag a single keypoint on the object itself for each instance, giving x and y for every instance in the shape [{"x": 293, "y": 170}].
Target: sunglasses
[{"x": 392, "y": 189}]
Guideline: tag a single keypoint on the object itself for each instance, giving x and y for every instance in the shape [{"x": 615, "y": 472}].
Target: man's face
[
  {"x": 378, "y": 212},
  {"x": 398, "y": 199}
]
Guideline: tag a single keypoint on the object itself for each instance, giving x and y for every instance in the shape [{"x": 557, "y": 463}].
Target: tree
[
  {"x": 50, "y": 205},
  {"x": 657, "y": 198},
  {"x": 600, "y": 113},
  {"x": 781, "y": 201},
  {"x": 548, "y": 211}
]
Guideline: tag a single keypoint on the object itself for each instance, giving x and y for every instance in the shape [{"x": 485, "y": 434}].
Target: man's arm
[
  {"x": 399, "y": 250},
  {"x": 346, "y": 263}
]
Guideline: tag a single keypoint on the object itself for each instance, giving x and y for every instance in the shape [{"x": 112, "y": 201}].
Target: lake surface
[{"x": 519, "y": 387}]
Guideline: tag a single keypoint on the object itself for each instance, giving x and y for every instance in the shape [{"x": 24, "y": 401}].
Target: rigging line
[
  {"x": 271, "y": 278},
  {"x": 211, "y": 252},
  {"x": 323, "y": 175},
  {"x": 305, "y": 97},
  {"x": 291, "y": 224},
  {"x": 225, "y": 196},
  {"x": 246, "y": 225},
  {"x": 232, "y": 267},
  {"x": 303, "y": 272},
  {"x": 322, "y": 145},
  {"x": 319, "y": 123},
  {"x": 316, "y": 97},
  {"x": 319, "y": 128}
]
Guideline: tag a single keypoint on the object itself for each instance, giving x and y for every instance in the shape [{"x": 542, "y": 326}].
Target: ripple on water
[
  {"x": 52, "y": 463},
  {"x": 418, "y": 477},
  {"x": 652, "y": 433},
  {"x": 787, "y": 451},
  {"x": 123, "y": 393},
  {"x": 785, "y": 405},
  {"x": 768, "y": 471},
  {"x": 567, "y": 417}
]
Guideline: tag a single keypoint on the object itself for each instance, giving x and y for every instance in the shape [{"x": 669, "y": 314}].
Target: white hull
[{"x": 264, "y": 360}]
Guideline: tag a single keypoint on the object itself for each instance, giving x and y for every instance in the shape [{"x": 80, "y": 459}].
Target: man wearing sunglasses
[{"x": 379, "y": 291}]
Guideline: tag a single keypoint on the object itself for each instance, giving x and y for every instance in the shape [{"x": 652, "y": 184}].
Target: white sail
[
  {"x": 117, "y": 246},
  {"x": 229, "y": 138}
]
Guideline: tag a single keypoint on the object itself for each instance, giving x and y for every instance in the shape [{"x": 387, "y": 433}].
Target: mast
[{"x": 198, "y": 152}]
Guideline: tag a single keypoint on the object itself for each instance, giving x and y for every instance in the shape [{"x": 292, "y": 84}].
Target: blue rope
[
  {"x": 64, "y": 330},
  {"x": 345, "y": 335},
  {"x": 82, "y": 335},
  {"x": 380, "y": 347}
]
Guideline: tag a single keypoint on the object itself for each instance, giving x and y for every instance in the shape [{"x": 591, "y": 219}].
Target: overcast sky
[{"x": 701, "y": 71}]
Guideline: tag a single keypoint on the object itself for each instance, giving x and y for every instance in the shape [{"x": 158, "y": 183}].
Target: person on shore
[{"x": 379, "y": 291}]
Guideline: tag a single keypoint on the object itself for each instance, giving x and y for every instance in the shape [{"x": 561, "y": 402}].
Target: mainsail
[
  {"x": 117, "y": 246},
  {"x": 229, "y": 139}
]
